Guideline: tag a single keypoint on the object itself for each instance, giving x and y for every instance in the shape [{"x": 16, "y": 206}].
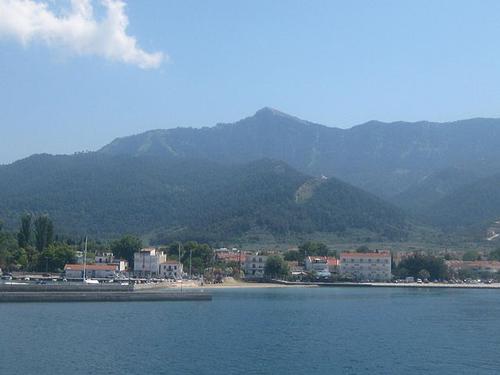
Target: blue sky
[{"x": 197, "y": 63}]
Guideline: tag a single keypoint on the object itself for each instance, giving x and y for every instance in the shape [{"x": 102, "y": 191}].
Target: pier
[{"x": 93, "y": 293}]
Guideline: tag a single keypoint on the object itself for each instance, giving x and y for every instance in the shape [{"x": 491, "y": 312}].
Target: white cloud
[{"x": 77, "y": 30}]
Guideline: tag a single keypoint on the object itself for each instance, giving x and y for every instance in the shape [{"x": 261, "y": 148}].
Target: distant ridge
[{"x": 383, "y": 158}]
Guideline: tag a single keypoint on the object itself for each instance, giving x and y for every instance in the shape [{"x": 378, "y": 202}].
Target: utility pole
[
  {"x": 190, "y": 260},
  {"x": 85, "y": 260},
  {"x": 179, "y": 249},
  {"x": 239, "y": 264}
]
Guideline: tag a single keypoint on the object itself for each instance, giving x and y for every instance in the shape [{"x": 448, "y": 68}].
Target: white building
[
  {"x": 92, "y": 271},
  {"x": 147, "y": 262},
  {"x": 109, "y": 258},
  {"x": 254, "y": 266},
  {"x": 104, "y": 258},
  {"x": 318, "y": 265},
  {"x": 366, "y": 266},
  {"x": 171, "y": 269}
]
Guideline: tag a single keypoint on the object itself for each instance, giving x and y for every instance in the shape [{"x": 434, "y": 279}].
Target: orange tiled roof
[
  {"x": 89, "y": 267},
  {"x": 333, "y": 261}
]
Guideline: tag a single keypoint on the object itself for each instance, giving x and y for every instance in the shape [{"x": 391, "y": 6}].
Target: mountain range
[
  {"x": 268, "y": 172},
  {"x": 383, "y": 158}
]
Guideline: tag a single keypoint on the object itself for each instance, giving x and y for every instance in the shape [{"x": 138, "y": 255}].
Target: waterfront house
[
  {"x": 147, "y": 262},
  {"x": 104, "y": 258},
  {"x": 171, "y": 269},
  {"x": 488, "y": 266},
  {"x": 254, "y": 266},
  {"x": 318, "y": 265},
  {"x": 92, "y": 271},
  {"x": 333, "y": 265},
  {"x": 109, "y": 258},
  {"x": 366, "y": 266}
]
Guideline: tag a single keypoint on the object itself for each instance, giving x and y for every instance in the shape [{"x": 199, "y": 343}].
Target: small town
[
  {"x": 249, "y": 187},
  {"x": 232, "y": 266}
]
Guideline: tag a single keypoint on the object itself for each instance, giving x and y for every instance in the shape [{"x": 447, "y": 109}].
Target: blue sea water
[{"x": 260, "y": 331}]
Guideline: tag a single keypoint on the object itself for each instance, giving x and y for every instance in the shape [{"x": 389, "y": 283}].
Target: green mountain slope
[
  {"x": 424, "y": 194},
  {"x": 107, "y": 195},
  {"x": 383, "y": 158},
  {"x": 476, "y": 205}
]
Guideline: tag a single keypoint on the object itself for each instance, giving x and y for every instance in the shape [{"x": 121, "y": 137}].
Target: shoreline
[{"x": 283, "y": 284}]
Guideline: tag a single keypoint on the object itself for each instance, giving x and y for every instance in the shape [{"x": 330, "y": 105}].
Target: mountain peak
[{"x": 268, "y": 111}]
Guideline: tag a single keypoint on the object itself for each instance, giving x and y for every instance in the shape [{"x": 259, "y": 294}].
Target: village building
[
  {"x": 109, "y": 258},
  {"x": 147, "y": 262},
  {"x": 366, "y": 266},
  {"x": 254, "y": 266},
  {"x": 333, "y": 265},
  {"x": 104, "y": 258},
  {"x": 226, "y": 257},
  {"x": 171, "y": 269},
  {"x": 92, "y": 271},
  {"x": 318, "y": 265}
]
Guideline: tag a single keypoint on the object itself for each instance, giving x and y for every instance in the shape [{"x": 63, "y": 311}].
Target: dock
[{"x": 93, "y": 293}]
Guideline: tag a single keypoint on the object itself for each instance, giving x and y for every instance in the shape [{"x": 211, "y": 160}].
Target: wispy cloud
[{"x": 77, "y": 30}]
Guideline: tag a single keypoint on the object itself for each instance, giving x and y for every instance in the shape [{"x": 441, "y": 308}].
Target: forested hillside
[
  {"x": 107, "y": 195},
  {"x": 475, "y": 205}
]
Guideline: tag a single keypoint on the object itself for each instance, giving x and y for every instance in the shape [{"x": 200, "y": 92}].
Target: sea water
[{"x": 260, "y": 331}]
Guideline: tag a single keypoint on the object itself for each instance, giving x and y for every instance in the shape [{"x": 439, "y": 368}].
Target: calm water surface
[{"x": 260, "y": 331}]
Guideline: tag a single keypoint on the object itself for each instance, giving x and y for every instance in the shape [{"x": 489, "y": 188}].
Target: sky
[{"x": 76, "y": 74}]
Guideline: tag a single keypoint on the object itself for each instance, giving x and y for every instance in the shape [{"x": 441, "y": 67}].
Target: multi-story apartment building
[
  {"x": 147, "y": 262},
  {"x": 171, "y": 269},
  {"x": 366, "y": 266},
  {"x": 254, "y": 266}
]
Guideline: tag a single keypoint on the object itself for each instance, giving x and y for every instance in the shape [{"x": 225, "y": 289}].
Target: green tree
[
  {"x": 495, "y": 254},
  {"x": 44, "y": 232},
  {"x": 313, "y": 248},
  {"x": 125, "y": 248},
  {"x": 293, "y": 256},
  {"x": 275, "y": 267},
  {"x": 400, "y": 272},
  {"x": 55, "y": 256},
  {"x": 199, "y": 256},
  {"x": 8, "y": 250},
  {"x": 417, "y": 262},
  {"x": 25, "y": 231},
  {"x": 424, "y": 274},
  {"x": 363, "y": 249},
  {"x": 471, "y": 255}
]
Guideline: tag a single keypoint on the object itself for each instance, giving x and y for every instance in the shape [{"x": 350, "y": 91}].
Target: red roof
[
  {"x": 89, "y": 267},
  {"x": 230, "y": 257},
  {"x": 333, "y": 261}
]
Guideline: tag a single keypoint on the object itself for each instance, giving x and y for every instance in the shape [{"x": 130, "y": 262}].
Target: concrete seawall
[
  {"x": 65, "y": 287},
  {"x": 102, "y": 296}
]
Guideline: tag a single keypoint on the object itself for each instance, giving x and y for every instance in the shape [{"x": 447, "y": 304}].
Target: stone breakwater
[
  {"x": 102, "y": 296},
  {"x": 92, "y": 293}
]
